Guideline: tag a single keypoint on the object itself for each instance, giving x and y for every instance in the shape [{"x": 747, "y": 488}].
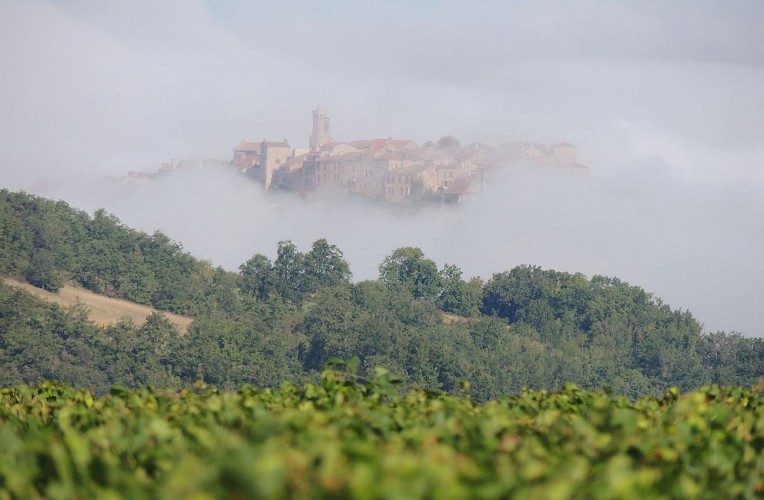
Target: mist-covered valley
[
  {"x": 613, "y": 345},
  {"x": 663, "y": 101},
  {"x": 687, "y": 246}
]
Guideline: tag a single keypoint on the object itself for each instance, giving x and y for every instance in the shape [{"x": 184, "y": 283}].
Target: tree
[
  {"x": 257, "y": 277},
  {"x": 407, "y": 268},
  {"x": 288, "y": 269},
  {"x": 488, "y": 331},
  {"x": 326, "y": 327},
  {"x": 454, "y": 294},
  {"x": 509, "y": 294},
  {"x": 448, "y": 141},
  {"x": 324, "y": 266},
  {"x": 42, "y": 271}
]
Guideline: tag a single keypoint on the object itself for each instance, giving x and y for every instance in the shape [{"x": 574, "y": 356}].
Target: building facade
[
  {"x": 272, "y": 156},
  {"x": 392, "y": 170},
  {"x": 321, "y": 134}
]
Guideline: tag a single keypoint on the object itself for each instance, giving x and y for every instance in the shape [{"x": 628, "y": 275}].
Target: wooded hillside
[{"x": 281, "y": 319}]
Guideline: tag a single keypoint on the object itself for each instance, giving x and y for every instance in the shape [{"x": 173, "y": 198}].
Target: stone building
[
  {"x": 321, "y": 134},
  {"x": 246, "y": 155},
  {"x": 402, "y": 184},
  {"x": 392, "y": 170},
  {"x": 272, "y": 156}
]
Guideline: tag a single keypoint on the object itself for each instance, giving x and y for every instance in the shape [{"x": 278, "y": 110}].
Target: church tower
[{"x": 321, "y": 134}]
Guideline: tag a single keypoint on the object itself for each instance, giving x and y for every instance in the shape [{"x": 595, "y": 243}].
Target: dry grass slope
[
  {"x": 453, "y": 318},
  {"x": 103, "y": 310}
]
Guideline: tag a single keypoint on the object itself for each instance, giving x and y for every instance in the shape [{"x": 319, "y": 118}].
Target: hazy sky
[{"x": 664, "y": 99}]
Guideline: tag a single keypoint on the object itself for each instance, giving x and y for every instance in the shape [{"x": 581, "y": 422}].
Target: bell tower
[{"x": 321, "y": 134}]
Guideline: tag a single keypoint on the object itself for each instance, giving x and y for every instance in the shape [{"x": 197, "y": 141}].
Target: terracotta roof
[
  {"x": 247, "y": 146},
  {"x": 396, "y": 155},
  {"x": 294, "y": 163},
  {"x": 394, "y": 144},
  {"x": 349, "y": 156},
  {"x": 414, "y": 169},
  {"x": 331, "y": 147},
  {"x": 378, "y": 144},
  {"x": 275, "y": 144},
  {"x": 362, "y": 144},
  {"x": 403, "y": 144}
]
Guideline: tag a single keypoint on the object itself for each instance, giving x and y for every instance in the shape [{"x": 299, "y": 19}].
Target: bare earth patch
[
  {"x": 449, "y": 318},
  {"x": 102, "y": 310}
]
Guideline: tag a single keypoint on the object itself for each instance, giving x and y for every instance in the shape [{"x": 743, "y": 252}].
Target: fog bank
[
  {"x": 698, "y": 251},
  {"x": 663, "y": 100}
]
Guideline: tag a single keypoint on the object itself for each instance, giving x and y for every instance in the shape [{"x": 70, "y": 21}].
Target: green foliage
[
  {"x": 733, "y": 357},
  {"x": 356, "y": 437},
  {"x": 408, "y": 269},
  {"x": 513, "y": 294},
  {"x": 257, "y": 278},
  {"x": 447, "y": 141},
  {"x": 282, "y": 320},
  {"x": 324, "y": 266},
  {"x": 288, "y": 269},
  {"x": 293, "y": 276},
  {"x": 50, "y": 243},
  {"x": 630, "y": 340},
  {"x": 42, "y": 271},
  {"x": 42, "y": 341},
  {"x": 456, "y": 295}
]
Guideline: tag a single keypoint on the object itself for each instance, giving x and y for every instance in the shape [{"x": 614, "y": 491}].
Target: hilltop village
[{"x": 391, "y": 170}]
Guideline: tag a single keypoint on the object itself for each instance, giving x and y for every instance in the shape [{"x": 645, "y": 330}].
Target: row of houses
[{"x": 393, "y": 170}]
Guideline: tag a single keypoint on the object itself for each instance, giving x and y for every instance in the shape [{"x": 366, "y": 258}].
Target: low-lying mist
[
  {"x": 664, "y": 101},
  {"x": 694, "y": 246}
]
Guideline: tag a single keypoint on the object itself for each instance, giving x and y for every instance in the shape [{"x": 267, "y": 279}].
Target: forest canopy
[{"x": 282, "y": 319}]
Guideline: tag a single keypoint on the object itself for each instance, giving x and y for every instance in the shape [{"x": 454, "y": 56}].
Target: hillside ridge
[{"x": 102, "y": 310}]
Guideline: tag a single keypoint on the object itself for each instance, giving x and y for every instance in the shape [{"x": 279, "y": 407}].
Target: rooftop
[{"x": 247, "y": 146}]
